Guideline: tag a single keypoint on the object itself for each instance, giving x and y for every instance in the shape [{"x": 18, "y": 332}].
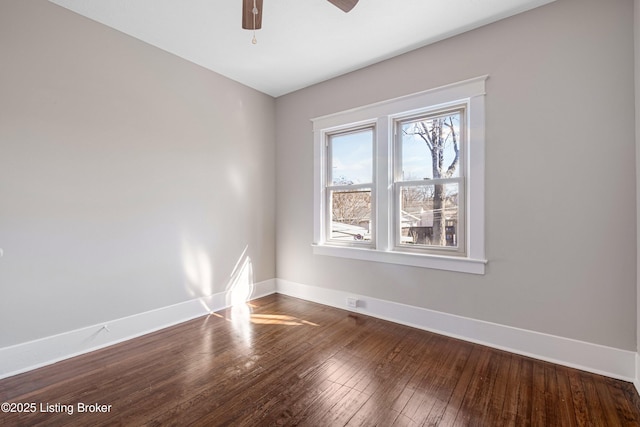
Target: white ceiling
[{"x": 301, "y": 42}]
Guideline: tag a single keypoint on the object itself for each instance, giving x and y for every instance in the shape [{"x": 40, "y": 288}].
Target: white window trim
[{"x": 383, "y": 114}]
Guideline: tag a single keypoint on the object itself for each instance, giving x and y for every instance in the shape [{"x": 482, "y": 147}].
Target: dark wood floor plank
[
  {"x": 578, "y": 397},
  {"x": 551, "y": 395},
  {"x": 439, "y": 382},
  {"x": 385, "y": 390},
  {"x": 595, "y": 412},
  {"x": 514, "y": 386},
  {"x": 492, "y": 389},
  {"x": 454, "y": 405},
  {"x": 476, "y": 402},
  {"x": 566, "y": 407},
  {"x": 538, "y": 401},
  {"x": 625, "y": 399},
  {"x": 525, "y": 392},
  {"x": 284, "y": 361},
  {"x": 609, "y": 406}
]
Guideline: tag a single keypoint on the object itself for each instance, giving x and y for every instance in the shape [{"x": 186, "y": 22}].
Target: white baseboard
[
  {"x": 45, "y": 351},
  {"x": 612, "y": 362}
]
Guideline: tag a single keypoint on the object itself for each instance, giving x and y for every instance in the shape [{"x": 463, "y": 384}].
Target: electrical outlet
[{"x": 352, "y": 302}]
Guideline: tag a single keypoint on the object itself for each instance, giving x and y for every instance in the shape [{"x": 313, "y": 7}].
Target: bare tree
[{"x": 351, "y": 207}]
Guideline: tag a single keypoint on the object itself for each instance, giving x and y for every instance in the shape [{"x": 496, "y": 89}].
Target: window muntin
[
  {"x": 429, "y": 182},
  {"x": 349, "y": 186}
]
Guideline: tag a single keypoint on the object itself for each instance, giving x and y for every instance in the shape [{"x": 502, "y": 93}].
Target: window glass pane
[
  {"x": 351, "y": 215},
  {"x": 430, "y": 147},
  {"x": 351, "y": 157},
  {"x": 429, "y": 215}
]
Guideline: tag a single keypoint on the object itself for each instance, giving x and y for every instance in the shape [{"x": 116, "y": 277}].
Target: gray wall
[
  {"x": 636, "y": 27},
  {"x": 129, "y": 179},
  {"x": 561, "y": 218}
]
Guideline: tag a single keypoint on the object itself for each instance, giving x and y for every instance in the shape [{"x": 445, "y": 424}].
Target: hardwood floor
[{"x": 285, "y": 361}]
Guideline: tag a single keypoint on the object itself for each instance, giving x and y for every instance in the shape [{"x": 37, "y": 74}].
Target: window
[
  {"x": 402, "y": 181},
  {"x": 349, "y": 186},
  {"x": 429, "y": 180}
]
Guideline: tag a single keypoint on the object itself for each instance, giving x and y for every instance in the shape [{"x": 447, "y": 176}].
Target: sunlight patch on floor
[{"x": 279, "y": 319}]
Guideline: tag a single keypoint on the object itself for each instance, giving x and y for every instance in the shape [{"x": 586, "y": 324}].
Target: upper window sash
[
  {"x": 361, "y": 139},
  {"x": 460, "y": 110}
]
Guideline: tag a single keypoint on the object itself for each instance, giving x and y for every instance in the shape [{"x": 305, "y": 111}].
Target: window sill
[{"x": 438, "y": 262}]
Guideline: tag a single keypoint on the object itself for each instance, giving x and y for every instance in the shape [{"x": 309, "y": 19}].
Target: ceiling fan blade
[
  {"x": 247, "y": 14},
  {"x": 345, "y": 5}
]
